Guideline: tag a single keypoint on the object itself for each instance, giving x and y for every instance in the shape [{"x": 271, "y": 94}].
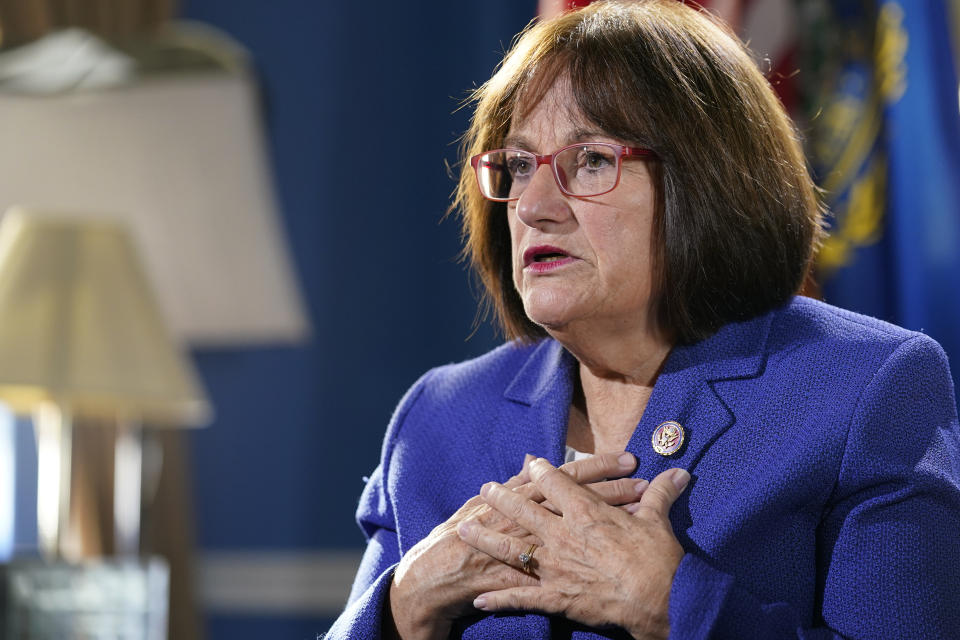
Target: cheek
[
  {"x": 628, "y": 235},
  {"x": 623, "y": 255},
  {"x": 612, "y": 242},
  {"x": 515, "y": 258}
]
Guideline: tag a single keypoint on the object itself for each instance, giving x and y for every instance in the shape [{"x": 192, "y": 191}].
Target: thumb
[{"x": 664, "y": 490}]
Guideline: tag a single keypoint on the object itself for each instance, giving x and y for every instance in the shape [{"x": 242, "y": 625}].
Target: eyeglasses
[{"x": 582, "y": 170}]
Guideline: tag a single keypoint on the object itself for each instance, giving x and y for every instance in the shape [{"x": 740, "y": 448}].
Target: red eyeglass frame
[{"x": 621, "y": 151}]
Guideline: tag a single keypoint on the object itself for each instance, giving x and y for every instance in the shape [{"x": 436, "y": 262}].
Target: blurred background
[{"x": 225, "y": 258}]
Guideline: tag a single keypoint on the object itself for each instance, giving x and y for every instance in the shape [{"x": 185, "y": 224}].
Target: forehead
[{"x": 554, "y": 117}]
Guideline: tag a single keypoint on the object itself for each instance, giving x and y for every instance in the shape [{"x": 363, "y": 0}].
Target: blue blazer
[{"x": 825, "y": 499}]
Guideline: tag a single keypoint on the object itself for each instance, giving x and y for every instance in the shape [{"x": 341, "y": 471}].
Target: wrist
[
  {"x": 653, "y": 628},
  {"x": 649, "y": 617},
  {"x": 406, "y": 618}
]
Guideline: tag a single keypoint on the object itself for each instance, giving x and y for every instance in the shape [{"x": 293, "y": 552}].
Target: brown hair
[{"x": 737, "y": 215}]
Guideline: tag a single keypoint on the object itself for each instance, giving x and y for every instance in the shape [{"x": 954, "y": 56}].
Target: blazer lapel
[
  {"x": 685, "y": 392},
  {"x": 545, "y": 386}
]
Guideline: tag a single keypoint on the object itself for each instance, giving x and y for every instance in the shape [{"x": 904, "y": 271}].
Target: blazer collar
[{"x": 684, "y": 392}]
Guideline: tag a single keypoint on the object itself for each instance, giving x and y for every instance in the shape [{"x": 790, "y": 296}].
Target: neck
[
  {"x": 616, "y": 377},
  {"x": 619, "y": 355}
]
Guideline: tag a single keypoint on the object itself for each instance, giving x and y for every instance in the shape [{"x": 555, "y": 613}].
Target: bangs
[
  {"x": 603, "y": 81},
  {"x": 532, "y": 88}
]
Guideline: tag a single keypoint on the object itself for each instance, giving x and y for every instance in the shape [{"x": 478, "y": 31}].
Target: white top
[{"x": 572, "y": 454}]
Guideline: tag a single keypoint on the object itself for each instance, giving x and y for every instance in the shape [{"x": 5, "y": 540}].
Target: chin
[{"x": 548, "y": 316}]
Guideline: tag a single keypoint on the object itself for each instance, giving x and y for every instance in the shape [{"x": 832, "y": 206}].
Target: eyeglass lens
[{"x": 583, "y": 170}]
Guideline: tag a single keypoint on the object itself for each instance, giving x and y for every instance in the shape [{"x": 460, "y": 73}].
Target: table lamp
[{"x": 81, "y": 336}]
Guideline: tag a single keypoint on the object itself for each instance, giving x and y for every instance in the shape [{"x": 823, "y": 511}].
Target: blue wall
[{"x": 359, "y": 100}]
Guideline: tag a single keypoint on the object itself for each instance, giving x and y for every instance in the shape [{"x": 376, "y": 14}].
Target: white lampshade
[{"x": 179, "y": 157}]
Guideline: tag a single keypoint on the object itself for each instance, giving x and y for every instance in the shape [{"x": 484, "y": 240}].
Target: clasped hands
[{"x": 605, "y": 552}]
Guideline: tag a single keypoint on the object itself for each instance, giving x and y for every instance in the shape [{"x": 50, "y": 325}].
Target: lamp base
[{"x": 96, "y": 599}]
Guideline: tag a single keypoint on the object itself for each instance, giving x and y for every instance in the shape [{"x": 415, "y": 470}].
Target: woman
[{"x": 637, "y": 206}]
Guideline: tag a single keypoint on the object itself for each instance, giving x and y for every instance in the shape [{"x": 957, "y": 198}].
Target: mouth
[{"x": 544, "y": 254}]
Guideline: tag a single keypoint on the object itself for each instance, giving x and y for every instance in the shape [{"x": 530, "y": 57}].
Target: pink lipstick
[{"x": 543, "y": 258}]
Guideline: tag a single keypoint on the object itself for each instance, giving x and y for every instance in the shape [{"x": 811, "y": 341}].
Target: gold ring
[{"x": 526, "y": 557}]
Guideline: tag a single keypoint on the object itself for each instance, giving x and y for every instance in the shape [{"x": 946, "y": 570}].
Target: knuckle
[
  {"x": 551, "y": 476},
  {"x": 542, "y": 469},
  {"x": 503, "y": 550},
  {"x": 526, "y": 490},
  {"x": 581, "y": 506},
  {"x": 660, "y": 494},
  {"x": 543, "y": 603},
  {"x": 576, "y": 469},
  {"x": 608, "y": 464},
  {"x": 484, "y": 516},
  {"x": 630, "y": 489},
  {"x": 646, "y": 512},
  {"x": 594, "y": 468},
  {"x": 617, "y": 494},
  {"x": 618, "y": 489},
  {"x": 518, "y": 579}
]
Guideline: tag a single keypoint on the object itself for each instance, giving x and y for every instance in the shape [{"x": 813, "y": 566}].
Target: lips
[
  {"x": 543, "y": 254},
  {"x": 545, "y": 259}
]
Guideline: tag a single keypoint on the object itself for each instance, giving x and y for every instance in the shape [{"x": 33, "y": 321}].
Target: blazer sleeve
[
  {"x": 888, "y": 543},
  {"x": 362, "y": 618}
]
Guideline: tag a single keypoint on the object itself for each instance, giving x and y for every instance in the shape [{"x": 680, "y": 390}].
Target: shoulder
[
  {"x": 822, "y": 334},
  {"x": 806, "y": 317},
  {"x": 481, "y": 377},
  {"x": 821, "y": 364},
  {"x": 465, "y": 390},
  {"x": 438, "y": 447}
]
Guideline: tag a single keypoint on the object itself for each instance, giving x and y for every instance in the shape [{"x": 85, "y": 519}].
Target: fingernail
[
  {"x": 641, "y": 486},
  {"x": 485, "y": 489},
  {"x": 539, "y": 462},
  {"x": 480, "y": 602},
  {"x": 465, "y": 528},
  {"x": 626, "y": 460},
  {"x": 633, "y": 507},
  {"x": 680, "y": 479},
  {"x": 527, "y": 458}
]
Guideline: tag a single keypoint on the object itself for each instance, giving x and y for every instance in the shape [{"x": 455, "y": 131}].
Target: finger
[
  {"x": 519, "y": 599},
  {"x": 664, "y": 490},
  {"x": 470, "y": 507},
  {"x": 614, "y": 492},
  {"x": 529, "y": 490},
  {"x": 586, "y": 471},
  {"x": 529, "y": 515},
  {"x": 523, "y": 477},
  {"x": 600, "y": 467},
  {"x": 560, "y": 489},
  {"x": 619, "y": 492},
  {"x": 506, "y": 549}
]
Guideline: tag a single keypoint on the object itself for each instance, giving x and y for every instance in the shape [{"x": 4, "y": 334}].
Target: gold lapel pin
[{"x": 667, "y": 438}]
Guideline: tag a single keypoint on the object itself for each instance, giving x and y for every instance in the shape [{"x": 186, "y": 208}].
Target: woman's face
[{"x": 600, "y": 274}]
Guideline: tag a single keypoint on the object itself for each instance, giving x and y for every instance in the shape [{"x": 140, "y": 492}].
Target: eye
[
  {"x": 519, "y": 165},
  {"x": 593, "y": 159}
]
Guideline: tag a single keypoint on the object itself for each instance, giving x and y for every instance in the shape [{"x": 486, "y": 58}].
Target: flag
[{"x": 885, "y": 145}]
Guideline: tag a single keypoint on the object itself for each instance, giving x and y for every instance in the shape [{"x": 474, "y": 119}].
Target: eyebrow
[
  {"x": 587, "y": 135},
  {"x": 578, "y": 135}
]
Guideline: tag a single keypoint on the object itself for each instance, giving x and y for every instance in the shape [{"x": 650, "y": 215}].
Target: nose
[{"x": 542, "y": 202}]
